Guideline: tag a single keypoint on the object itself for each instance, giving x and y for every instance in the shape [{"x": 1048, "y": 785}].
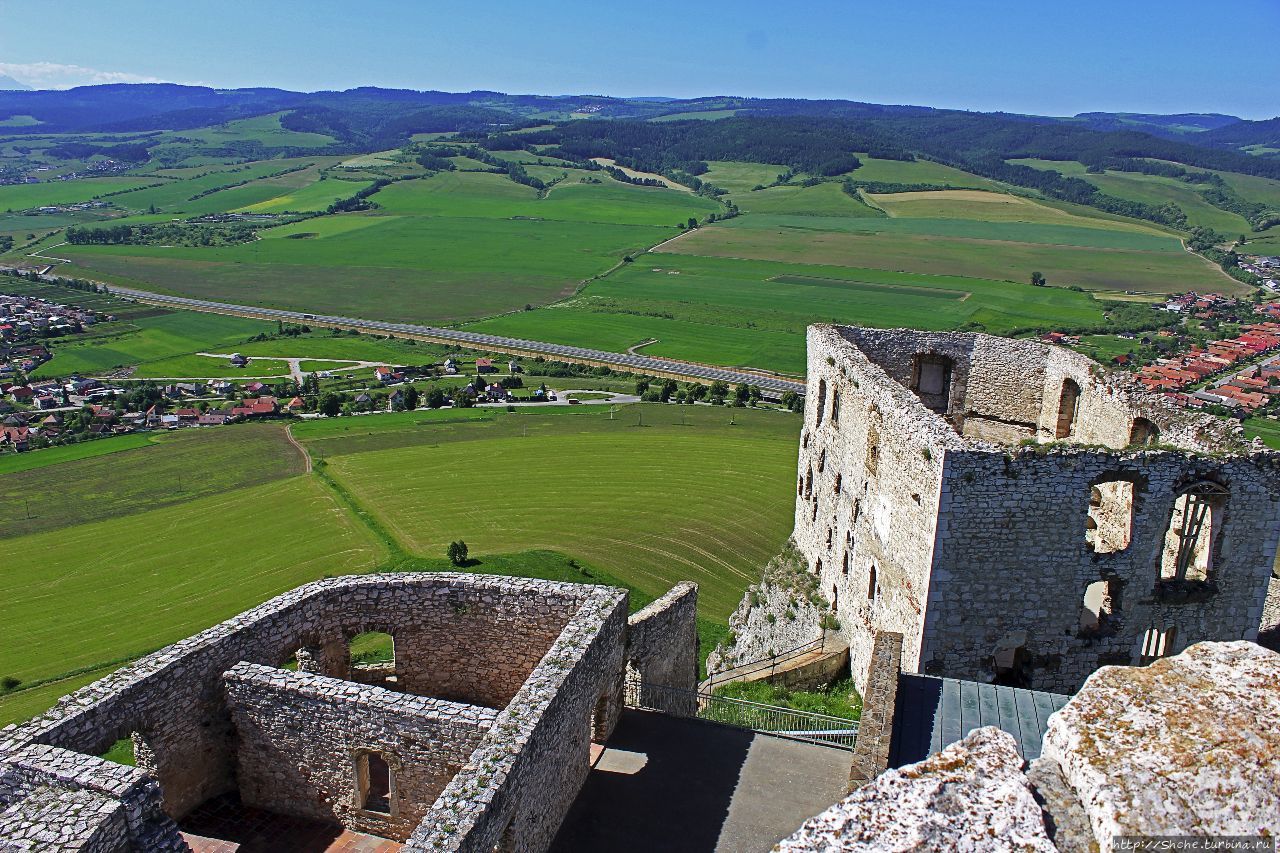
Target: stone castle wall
[
  {"x": 201, "y": 733},
  {"x": 1016, "y": 560},
  {"x": 662, "y": 648},
  {"x": 870, "y": 542},
  {"x": 946, "y": 492},
  {"x": 299, "y": 736},
  {"x": 516, "y": 788}
]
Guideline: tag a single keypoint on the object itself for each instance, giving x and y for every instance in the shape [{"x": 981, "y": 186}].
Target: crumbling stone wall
[
  {"x": 870, "y": 541},
  {"x": 514, "y": 791},
  {"x": 299, "y": 737},
  {"x": 935, "y": 498},
  {"x": 662, "y": 650},
  {"x": 175, "y": 700},
  {"x": 1022, "y": 563},
  {"x": 879, "y": 701}
]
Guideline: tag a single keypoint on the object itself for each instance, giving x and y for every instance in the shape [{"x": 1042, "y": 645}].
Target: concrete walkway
[{"x": 688, "y": 786}]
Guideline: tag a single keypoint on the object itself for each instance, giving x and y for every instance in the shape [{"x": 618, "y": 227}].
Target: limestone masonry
[
  {"x": 1016, "y": 512},
  {"x": 1188, "y": 746},
  {"x": 474, "y": 737}
]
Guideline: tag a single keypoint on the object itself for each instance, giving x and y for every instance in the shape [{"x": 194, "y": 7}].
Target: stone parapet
[{"x": 879, "y": 701}]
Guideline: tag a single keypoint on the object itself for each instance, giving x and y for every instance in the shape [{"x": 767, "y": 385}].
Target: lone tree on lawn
[{"x": 458, "y": 553}]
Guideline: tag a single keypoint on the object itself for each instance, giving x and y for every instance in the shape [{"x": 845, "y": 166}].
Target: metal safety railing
[
  {"x": 768, "y": 664},
  {"x": 808, "y": 726}
]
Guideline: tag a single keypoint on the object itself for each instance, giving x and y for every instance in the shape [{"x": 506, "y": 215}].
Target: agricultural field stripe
[{"x": 626, "y": 361}]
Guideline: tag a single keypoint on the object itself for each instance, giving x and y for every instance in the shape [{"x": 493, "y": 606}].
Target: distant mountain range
[
  {"x": 367, "y": 117},
  {"x": 7, "y": 84}
]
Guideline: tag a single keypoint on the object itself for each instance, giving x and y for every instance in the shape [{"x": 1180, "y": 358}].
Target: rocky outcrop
[
  {"x": 972, "y": 796},
  {"x": 783, "y": 611},
  {"x": 1189, "y": 745}
]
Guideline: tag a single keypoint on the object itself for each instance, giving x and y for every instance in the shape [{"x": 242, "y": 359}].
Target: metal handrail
[
  {"x": 761, "y": 664},
  {"x": 807, "y": 726}
]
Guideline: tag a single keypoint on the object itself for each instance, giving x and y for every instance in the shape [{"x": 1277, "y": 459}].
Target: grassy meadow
[
  {"x": 151, "y": 339},
  {"x": 754, "y": 313},
  {"x": 566, "y": 494},
  {"x": 449, "y": 247},
  {"x": 969, "y": 233}
]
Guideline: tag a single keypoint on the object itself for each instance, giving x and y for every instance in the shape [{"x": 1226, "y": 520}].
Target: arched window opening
[
  {"x": 1109, "y": 525},
  {"x": 838, "y": 483},
  {"x": 844, "y": 565},
  {"x": 373, "y": 659},
  {"x": 822, "y": 461},
  {"x": 817, "y": 566},
  {"x": 835, "y": 596},
  {"x": 873, "y": 585},
  {"x": 1097, "y": 608},
  {"x": 1143, "y": 433},
  {"x": 1193, "y": 531},
  {"x": 375, "y": 783},
  {"x": 372, "y": 648},
  {"x": 808, "y": 482},
  {"x": 830, "y": 535},
  {"x": 822, "y": 400},
  {"x": 931, "y": 380},
  {"x": 1068, "y": 404},
  {"x": 835, "y": 406},
  {"x": 1157, "y": 643}
]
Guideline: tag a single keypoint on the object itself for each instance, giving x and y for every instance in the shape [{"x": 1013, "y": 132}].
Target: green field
[
  {"x": 315, "y": 196},
  {"x": 1158, "y": 190},
  {"x": 754, "y": 313},
  {"x": 11, "y": 463},
  {"x": 151, "y": 339},
  {"x": 451, "y": 247},
  {"x": 1116, "y": 258},
  {"x": 574, "y": 481},
  {"x": 826, "y": 199},
  {"x": 127, "y": 585},
  {"x": 265, "y": 129},
  {"x": 916, "y": 172},
  {"x": 25, "y": 196},
  {"x": 172, "y": 468},
  {"x": 137, "y": 566}
]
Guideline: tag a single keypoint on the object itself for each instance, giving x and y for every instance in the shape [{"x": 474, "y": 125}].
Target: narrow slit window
[{"x": 1068, "y": 406}]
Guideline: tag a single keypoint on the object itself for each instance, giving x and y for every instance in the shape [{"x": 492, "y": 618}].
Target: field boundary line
[{"x": 306, "y": 454}]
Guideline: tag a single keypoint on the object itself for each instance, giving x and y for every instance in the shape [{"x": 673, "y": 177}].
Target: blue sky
[{"x": 1045, "y": 57}]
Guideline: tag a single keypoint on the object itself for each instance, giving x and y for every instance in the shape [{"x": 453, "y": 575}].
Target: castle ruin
[
  {"x": 474, "y": 737},
  {"x": 1018, "y": 513}
]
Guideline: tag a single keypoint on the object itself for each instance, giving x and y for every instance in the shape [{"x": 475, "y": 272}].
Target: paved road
[{"x": 625, "y": 361}]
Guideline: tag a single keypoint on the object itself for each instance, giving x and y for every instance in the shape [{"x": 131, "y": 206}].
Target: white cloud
[{"x": 56, "y": 75}]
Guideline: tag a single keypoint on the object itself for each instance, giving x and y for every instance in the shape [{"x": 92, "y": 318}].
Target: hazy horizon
[{"x": 988, "y": 56}]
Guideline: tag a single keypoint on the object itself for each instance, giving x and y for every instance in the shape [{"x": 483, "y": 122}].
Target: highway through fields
[{"x": 773, "y": 386}]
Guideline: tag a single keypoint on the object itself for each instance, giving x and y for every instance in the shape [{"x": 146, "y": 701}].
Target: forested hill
[{"x": 815, "y": 136}]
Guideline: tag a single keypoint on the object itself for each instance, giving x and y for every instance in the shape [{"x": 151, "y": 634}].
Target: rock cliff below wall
[{"x": 783, "y": 611}]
